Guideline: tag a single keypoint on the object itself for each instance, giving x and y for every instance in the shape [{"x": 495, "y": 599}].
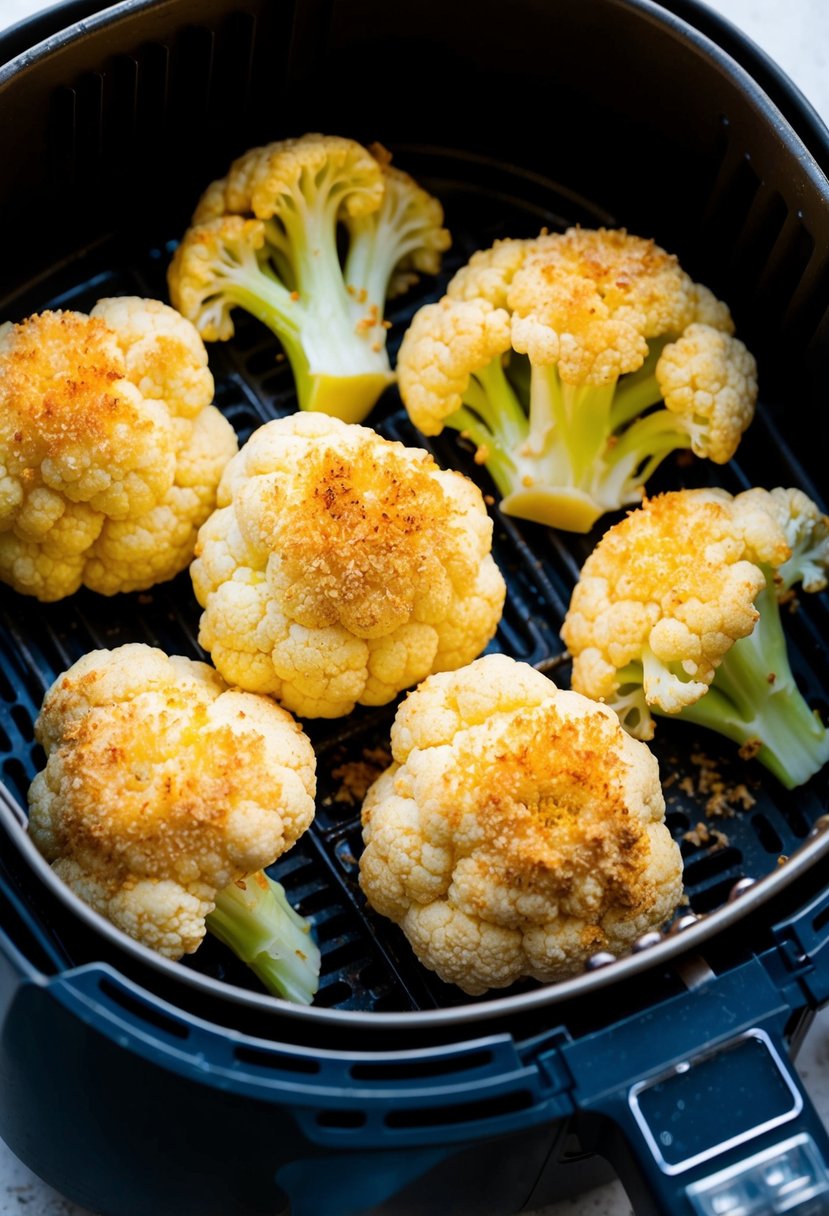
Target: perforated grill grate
[{"x": 366, "y": 962}]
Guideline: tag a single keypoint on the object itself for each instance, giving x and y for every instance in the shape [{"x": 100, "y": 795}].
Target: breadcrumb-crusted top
[
  {"x": 675, "y": 579},
  {"x": 63, "y": 384},
  {"x": 110, "y": 447},
  {"x": 162, "y": 787},
  {"x": 588, "y": 300},
  {"x": 518, "y": 830},
  {"x": 342, "y": 567},
  {"x": 549, "y": 801},
  {"x": 360, "y": 528}
]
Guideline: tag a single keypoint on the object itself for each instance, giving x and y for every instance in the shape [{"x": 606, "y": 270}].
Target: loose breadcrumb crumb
[
  {"x": 723, "y": 799},
  {"x": 702, "y": 836},
  {"x": 355, "y": 776}
]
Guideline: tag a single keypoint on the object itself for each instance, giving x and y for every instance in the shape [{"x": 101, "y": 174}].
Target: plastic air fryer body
[{"x": 133, "y": 1084}]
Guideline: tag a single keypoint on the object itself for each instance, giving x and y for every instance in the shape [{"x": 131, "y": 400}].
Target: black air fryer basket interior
[
  {"x": 540, "y": 113},
  {"x": 102, "y": 170},
  {"x": 531, "y": 117}
]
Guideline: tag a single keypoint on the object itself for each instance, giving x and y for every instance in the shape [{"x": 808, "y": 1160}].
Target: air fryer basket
[{"x": 541, "y": 115}]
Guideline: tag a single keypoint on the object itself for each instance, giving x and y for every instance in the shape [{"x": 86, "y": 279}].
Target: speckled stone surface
[{"x": 796, "y": 35}]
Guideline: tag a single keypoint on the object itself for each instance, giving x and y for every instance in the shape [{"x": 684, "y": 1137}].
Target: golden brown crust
[
  {"x": 618, "y": 271},
  {"x": 672, "y": 586},
  {"x": 358, "y": 535},
  {"x": 62, "y": 383},
  {"x": 552, "y": 810},
  {"x": 519, "y": 830},
  {"x": 164, "y": 792},
  {"x": 162, "y": 786}
]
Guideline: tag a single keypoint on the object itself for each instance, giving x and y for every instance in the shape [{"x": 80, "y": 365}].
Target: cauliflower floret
[
  {"x": 709, "y": 379},
  {"x": 807, "y": 535},
  {"x": 311, "y": 235},
  {"x": 204, "y": 267},
  {"x": 110, "y": 448},
  {"x": 489, "y": 272},
  {"x": 341, "y": 568},
  {"x": 673, "y": 587},
  {"x": 517, "y": 831},
  {"x": 163, "y": 787},
  {"x": 445, "y": 345},
  {"x": 588, "y": 301},
  {"x": 676, "y": 612},
  {"x": 551, "y": 354}
]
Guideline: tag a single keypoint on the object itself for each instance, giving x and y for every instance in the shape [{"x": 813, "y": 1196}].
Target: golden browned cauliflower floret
[
  {"x": 676, "y": 612},
  {"x": 110, "y": 448},
  {"x": 341, "y": 568},
  {"x": 162, "y": 788},
  {"x": 518, "y": 830},
  {"x": 311, "y": 236},
  {"x": 553, "y": 353}
]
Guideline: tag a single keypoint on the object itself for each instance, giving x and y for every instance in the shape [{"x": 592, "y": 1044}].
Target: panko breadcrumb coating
[
  {"x": 162, "y": 787},
  {"x": 110, "y": 448},
  {"x": 341, "y": 568},
  {"x": 518, "y": 831}
]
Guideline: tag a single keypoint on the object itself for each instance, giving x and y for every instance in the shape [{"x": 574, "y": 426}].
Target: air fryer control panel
[{"x": 789, "y": 1177}]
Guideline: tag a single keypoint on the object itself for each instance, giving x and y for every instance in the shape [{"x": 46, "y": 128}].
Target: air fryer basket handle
[
  {"x": 696, "y": 1102},
  {"x": 731, "y": 1133}
]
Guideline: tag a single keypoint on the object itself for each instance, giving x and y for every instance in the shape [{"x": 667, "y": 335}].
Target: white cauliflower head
[
  {"x": 518, "y": 831},
  {"x": 110, "y": 448},
  {"x": 551, "y": 353},
  {"x": 311, "y": 236},
  {"x": 669, "y": 590},
  {"x": 162, "y": 787},
  {"x": 341, "y": 568},
  {"x": 709, "y": 379}
]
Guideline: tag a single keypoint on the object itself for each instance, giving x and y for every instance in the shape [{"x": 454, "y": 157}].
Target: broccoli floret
[
  {"x": 266, "y": 239},
  {"x": 254, "y": 919},
  {"x": 552, "y": 355},
  {"x": 676, "y": 613}
]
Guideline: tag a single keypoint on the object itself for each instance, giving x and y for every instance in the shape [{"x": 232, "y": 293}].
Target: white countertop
[{"x": 796, "y": 35}]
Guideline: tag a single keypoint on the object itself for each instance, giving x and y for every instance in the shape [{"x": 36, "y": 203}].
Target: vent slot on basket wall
[{"x": 759, "y": 253}]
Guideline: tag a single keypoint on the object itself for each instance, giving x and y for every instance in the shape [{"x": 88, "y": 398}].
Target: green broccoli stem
[
  {"x": 559, "y": 435},
  {"x": 581, "y": 425},
  {"x": 563, "y": 454},
  {"x": 491, "y": 395},
  {"x": 254, "y": 919},
  {"x": 552, "y": 443},
  {"x": 335, "y": 367},
  {"x": 336, "y": 341},
  {"x": 754, "y": 701}
]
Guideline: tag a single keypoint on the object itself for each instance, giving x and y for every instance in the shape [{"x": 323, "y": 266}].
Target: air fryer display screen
[{"x": 716, "y": 1098}]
